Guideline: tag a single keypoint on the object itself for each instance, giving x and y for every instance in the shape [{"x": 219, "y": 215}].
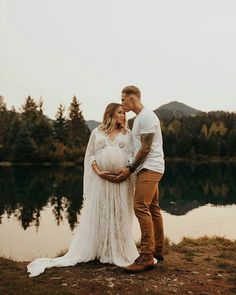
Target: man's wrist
[{"x": 131, "y": 168}]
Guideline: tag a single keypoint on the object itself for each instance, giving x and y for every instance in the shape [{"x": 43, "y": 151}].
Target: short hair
[{"x": 132, "y": 90}]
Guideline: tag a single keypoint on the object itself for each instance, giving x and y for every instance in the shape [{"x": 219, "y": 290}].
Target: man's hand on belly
[{"x": 122, "y": 175}]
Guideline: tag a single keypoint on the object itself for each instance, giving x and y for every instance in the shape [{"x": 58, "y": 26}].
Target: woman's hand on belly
[
  {"x": 107, "y": 175},
  {"x": 122, "y": 175}
]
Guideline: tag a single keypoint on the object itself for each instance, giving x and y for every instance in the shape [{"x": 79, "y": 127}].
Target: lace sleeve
[{"x": 88, "y": 159}]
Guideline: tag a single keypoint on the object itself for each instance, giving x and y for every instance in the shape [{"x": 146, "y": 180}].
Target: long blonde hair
[{"x": 109, "y": 121}]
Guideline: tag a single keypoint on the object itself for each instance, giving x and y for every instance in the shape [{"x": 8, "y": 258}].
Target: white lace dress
[{"x": 105, "y": 228}]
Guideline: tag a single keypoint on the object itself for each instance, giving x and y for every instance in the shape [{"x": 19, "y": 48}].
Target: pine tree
[
  {"x": 60, "y": 125},
  {"x": 24, "y": 145},
  {"x": 77, "y": 127},
  {"x": 29, "y": 113},
  {"x": 14, "y": 123},
  {"x": 42, "y": 129},
  {"x": 29, "y": 108},
  {"x": 40, "y": 106}
]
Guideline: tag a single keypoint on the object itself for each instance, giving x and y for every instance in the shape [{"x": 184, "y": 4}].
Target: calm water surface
[{"x": 39, "y": 206}]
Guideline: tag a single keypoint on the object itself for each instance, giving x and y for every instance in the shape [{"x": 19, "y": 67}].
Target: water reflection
[
  {"x": 186, "y": 186},
  {"x": 24, "y": 191}
]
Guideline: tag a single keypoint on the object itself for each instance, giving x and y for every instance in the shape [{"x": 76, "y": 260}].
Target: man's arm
[{"x": 146, "y": 141}]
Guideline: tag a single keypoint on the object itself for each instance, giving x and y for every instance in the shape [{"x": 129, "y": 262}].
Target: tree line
[
  {"x": 203, "y": 136},
  {"x": 207, "y": 135},
  {"x": 30, "y": 136}
]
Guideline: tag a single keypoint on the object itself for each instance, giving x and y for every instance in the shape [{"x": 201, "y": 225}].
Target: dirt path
[{"x": 202, "y": 266}]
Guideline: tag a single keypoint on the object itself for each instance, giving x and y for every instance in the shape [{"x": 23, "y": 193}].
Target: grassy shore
[{"x": 193, "y": 266}]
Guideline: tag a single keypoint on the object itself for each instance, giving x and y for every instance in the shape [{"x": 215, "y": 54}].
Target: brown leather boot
[{"x": 142, "y": 263}]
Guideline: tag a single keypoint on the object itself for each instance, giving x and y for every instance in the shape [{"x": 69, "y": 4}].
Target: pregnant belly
[{"x": 111, "y": 159}]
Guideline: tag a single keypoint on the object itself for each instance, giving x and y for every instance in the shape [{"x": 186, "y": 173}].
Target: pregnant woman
[{"x": 105, "y": 228}]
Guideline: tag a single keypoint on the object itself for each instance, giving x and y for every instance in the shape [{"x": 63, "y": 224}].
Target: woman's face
[{"x": 119, "y": 115}]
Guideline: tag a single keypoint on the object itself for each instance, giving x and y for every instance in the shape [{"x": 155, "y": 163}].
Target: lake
[{"x": 39, "y": 206}]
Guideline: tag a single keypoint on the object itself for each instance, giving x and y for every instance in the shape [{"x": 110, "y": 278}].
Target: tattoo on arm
[{"x": 146, "y": 141}]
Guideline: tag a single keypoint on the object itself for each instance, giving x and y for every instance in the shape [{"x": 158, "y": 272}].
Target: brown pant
[{"x": 148, "y": 212}]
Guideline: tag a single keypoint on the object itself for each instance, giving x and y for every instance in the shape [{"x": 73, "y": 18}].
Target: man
[{"x": 149, "y": 166}]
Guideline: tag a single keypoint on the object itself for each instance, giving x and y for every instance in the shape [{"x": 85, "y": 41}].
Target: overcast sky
[{"x": 182, "y": 50}]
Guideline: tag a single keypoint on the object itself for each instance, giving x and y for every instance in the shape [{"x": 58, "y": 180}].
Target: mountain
[
  {"x": 176, "y": 109},
  {"x": 92, "y": 124},
  {"x": 173, "y": 109}
]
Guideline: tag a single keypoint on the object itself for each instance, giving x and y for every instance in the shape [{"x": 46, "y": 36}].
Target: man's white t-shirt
[{"x": 147, "y": 122}]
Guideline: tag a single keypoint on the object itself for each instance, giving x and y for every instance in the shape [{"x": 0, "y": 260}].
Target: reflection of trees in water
[
  {"x": 24, "y": 191},
  {"x": 186, "y": 186}
]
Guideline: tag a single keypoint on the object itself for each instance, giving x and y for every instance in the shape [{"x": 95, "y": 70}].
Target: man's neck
[{"x": 138, "y": 108}]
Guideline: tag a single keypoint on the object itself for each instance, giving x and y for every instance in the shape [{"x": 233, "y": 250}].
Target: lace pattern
[{"x": 105, "y": 228}]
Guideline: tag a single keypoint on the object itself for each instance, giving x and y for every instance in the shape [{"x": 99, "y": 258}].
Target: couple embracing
[{"x": 122, "y": 170}]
